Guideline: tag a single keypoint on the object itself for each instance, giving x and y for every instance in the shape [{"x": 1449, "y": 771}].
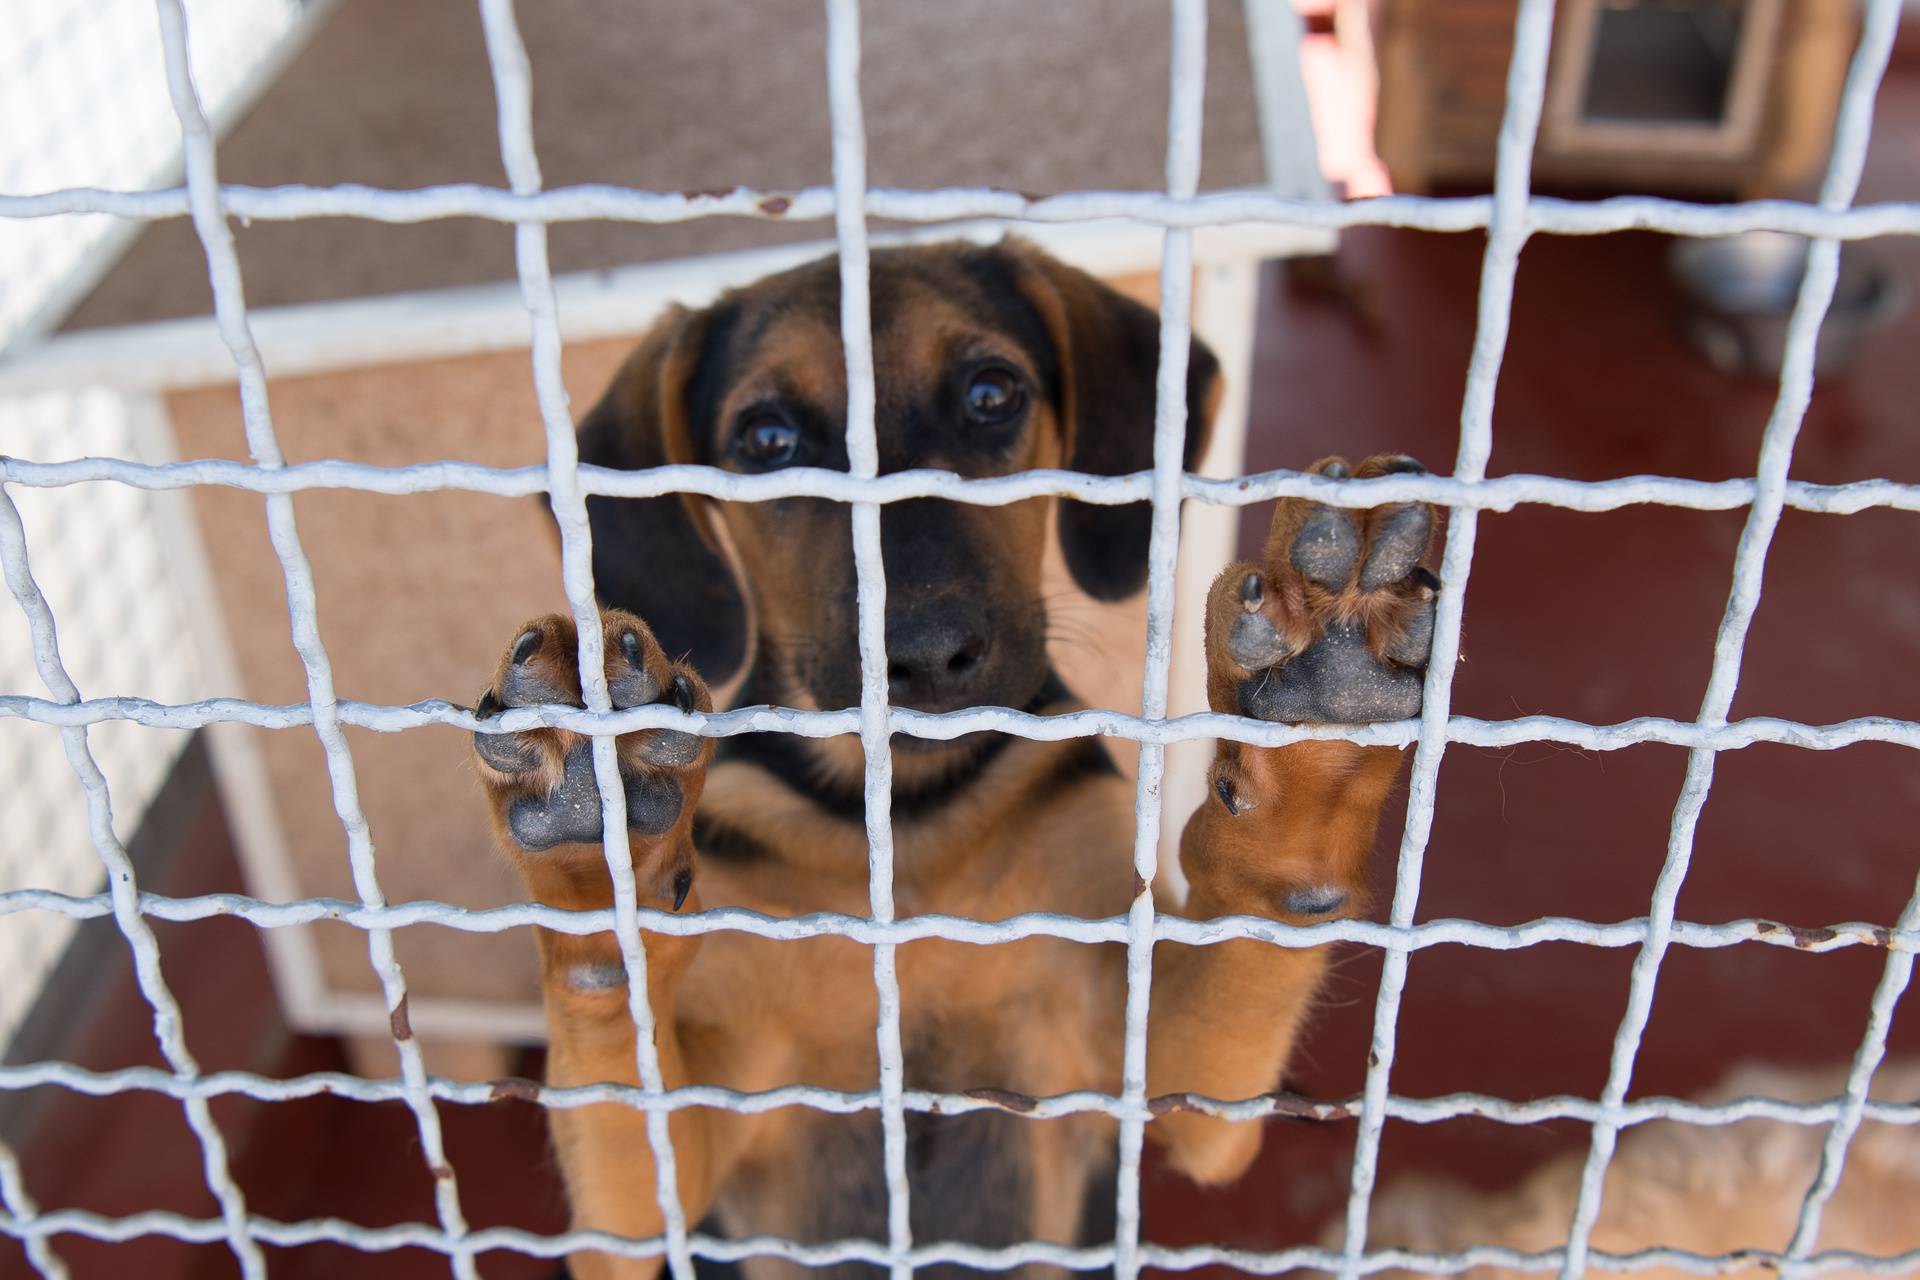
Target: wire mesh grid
[{"x": 1511, "y": 215}]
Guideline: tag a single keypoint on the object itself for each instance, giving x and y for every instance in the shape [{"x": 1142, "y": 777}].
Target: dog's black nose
[{"x": 935, "y": 657}]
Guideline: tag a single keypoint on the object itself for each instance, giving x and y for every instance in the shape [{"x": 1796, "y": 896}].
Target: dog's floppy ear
[
  {"x": 1107, "y": 349},
  {"x": 654, "y": 556}
]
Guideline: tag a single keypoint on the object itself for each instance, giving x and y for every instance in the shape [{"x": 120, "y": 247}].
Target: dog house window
[
  {"x": 1663, "y": 61},
  {"x": 1510, "y": 218},
  {"x": 1674, "y": 76}
]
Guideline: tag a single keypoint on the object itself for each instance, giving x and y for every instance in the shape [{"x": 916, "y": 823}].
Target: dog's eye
[
  {"x": 766, "y": 440},
  {"x": 994, "y": 395}
]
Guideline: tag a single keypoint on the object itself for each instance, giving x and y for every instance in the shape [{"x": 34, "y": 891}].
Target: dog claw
[
  {"x": 634, "y": 687},
  {"x": 1231, "y": 799},
  {"x": 682, "y": 885},
  {"x": 503, "y": 751},
  {"x": 675, "y": 748},
  {"x": 526, "y": 646}
]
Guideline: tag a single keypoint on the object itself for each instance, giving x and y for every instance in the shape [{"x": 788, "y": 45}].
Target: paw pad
[
  {"x": 550, "y": 793},
  {"x": 1316, "y": 900},
  {"x": 1336, "y": 625},
  {"x": 1326, "y": 547},
  {"x": 1336, "y": 680}
]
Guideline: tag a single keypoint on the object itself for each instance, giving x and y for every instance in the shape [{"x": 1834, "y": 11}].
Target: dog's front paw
[
  {"x": 1335, "y": 624},
  {"x": 541, "y": 783}
]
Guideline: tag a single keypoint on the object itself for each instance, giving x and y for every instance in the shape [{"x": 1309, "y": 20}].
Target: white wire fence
[{"x": 1511, "y": 216}]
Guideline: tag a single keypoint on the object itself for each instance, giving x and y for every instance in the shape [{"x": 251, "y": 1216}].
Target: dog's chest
[
  {"x": 985, "y": 1178},
  {"x": 1003, "y": 1024}
]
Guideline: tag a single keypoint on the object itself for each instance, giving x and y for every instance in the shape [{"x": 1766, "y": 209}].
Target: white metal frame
[{"x": 1511, "y": 216}]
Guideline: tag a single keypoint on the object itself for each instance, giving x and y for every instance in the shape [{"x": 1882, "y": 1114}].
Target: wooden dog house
[{"x": 1701, "y": 97}]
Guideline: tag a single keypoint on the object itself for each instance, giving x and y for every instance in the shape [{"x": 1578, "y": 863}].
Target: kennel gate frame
[{"x": 1511, "y": 216}]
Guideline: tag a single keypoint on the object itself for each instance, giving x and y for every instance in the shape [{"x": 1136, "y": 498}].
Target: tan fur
[{"x": 1704, "y": 1189}]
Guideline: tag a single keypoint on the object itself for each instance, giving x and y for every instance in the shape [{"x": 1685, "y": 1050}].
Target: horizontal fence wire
[
  {"x": 1815, "y": 939},
  {"x": 1432, "y": 1110},
  {"x": 598, "y": 203},
  {"x": 1501, "y": 493},
  {"x": 1077, "y": 724},
  {"x": 1511, "y": 216},
  {"x": 981, "y": 1258}
]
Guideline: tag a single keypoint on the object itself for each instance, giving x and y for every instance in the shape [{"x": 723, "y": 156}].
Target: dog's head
[{"x": 988, "y": 360}]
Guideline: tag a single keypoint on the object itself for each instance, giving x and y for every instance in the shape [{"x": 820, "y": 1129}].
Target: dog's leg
[
  {"x": 546, "y": 812},
  {"x": 1333, "y": 627}
]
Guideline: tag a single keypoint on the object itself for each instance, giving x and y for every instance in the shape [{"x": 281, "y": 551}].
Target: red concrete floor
[{"x": 1597, "y": 617}]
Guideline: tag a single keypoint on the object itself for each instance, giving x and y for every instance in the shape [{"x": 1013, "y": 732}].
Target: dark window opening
[{"x": 1662, "y": 61}]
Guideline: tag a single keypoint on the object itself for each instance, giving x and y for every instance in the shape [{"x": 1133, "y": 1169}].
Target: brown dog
[{"x": 990, "y": 361}]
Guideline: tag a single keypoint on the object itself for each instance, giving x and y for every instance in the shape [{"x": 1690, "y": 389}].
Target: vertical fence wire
[
  {"x": 513, "y": 85},
  {"x": 230, "y": 313},
  {"x": 1894, "y": 977},
  {"x": 1186, "y": 100},
  {"x": 168, "y": 1029},
  {"x": 21, "y": 1207},
  {"x": 1852, "y": 132},
  {"x": 1507, "y": 233},
  {"x": 1851, "y": 135},
  {"x": 863, "y": 461}
]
